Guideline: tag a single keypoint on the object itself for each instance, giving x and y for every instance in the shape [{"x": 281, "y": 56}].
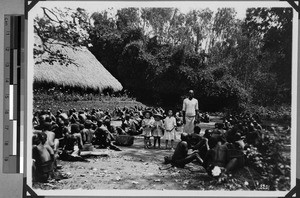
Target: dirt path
[{"x": 132, "y": 168}]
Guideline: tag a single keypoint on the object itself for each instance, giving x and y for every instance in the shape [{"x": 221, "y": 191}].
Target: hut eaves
[{"x": 88, "y": 72}]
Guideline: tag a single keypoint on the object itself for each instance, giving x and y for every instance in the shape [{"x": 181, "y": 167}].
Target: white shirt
[
  {"x": 170, "y": 123},
  {"x": 190, "y": 106}
]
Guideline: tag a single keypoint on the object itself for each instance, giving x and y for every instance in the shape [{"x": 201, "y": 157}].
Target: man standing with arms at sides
[{"x": 190, "y": 112}]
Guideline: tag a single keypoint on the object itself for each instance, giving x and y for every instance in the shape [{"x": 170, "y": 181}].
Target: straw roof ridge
[{"x": 86, "y": 72}]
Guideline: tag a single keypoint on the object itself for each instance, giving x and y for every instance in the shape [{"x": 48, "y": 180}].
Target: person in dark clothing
[
  {"x": 103, "y": 138},
  {"x": 196, "y": 142},
  {"x": 181, "y": 157},
  {"x": 129, "y": 125},
  {"x": 112, "y": 130},
  {"x": 194, "y": 138},
  {"x": 253, "y": 137}
]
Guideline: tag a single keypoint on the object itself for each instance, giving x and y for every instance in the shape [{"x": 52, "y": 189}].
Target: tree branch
[{"x": 46, "y": 9}]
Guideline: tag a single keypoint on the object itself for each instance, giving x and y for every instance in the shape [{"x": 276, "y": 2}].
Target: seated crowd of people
[
  {"x": 71, "y": 135},
  {"x": 220, "y": 147}
]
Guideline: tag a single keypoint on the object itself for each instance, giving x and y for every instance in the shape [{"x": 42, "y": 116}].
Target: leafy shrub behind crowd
[
  {"x": 269, "y": 160},
  {"x": 281, "y": 114}
]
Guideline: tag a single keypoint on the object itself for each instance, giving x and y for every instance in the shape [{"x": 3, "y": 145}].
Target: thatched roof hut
[{"x": 86, "y": 72}]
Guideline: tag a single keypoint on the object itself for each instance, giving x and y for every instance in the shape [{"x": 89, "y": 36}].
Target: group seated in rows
[
  {"x": 74, "y": 134},
  {"x": 222, "y": 147}
]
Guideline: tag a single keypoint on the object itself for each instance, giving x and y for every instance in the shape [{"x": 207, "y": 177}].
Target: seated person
[
  {"x": 230, "y": 134},
  {"x": 129, "y": 126},
  {"x": 43, "y": 156},
  {"x": 94, "y": 122},
  {"x": 195, "y": 137},
  {"x": 196, "y": 142},
  {"x": 103, "y": 138},
  {"x": 225, "y": 155},
  {"x": 81, "y": 117},
  {"x": 205, "y": 117},
  {"x": 110, "y": 128},
  {"x": 217, "y": 155},
  {"x": 74, "y": 135},
  {"x": 73, "y": 144},
  {"x": 36, "y": 120},
  {"x": 71, "y": 151},
  {"x": 207, "y": 134},
  {"x": 238, "y": 141},
  {"x": 52, "y": 141},
  {"x": 71, "y": 141},
  {"x": 212, "y": 137},
  {"x": 137, "y": 119},
  {"x": 181, "y": 157},
  {"x": 35, "y": 139},
  {"x": 253, "y": 137},
  {"x": 65, "y": 118},
  {"x": 235, "y": 153},
  {"x": 51, "y": 116},
  {"x": 60, "y": 132},
  {"x": 87, "y": 135},
  {"x": 218, "y": 131},
  {"x": 42, "y": 118}
]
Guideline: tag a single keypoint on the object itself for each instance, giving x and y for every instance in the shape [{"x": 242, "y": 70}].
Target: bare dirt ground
[{"x": 132, "y": 168}]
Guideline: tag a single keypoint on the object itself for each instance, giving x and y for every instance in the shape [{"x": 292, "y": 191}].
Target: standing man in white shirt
[{"x": 190, "y": 112}]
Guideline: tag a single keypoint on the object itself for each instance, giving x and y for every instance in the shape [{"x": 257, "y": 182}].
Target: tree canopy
[{"x": 160, "y": 53}]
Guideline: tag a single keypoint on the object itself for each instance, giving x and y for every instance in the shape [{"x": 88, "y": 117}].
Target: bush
[
  {"x": 267, "y": 159},
  {"x": 280, "y": 113}
]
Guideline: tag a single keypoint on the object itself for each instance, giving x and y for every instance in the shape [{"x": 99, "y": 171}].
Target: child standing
[
  {"x": 147, "y": 125},
  {"x": 157, "y": 131},
  {"x": 169, "y": 125},
  {"x": 179, "y": 123}
]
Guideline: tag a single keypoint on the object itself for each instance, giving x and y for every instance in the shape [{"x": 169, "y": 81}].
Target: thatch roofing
[{"x": 88, "y": 72}]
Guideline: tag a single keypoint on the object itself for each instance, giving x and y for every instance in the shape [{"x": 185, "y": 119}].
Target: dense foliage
[
  {"x": 159, "y": 53},
  {"x": 268, "y": 159}
]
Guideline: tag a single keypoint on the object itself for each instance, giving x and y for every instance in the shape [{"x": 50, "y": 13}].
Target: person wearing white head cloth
[{"x": 190, "y": 112}]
